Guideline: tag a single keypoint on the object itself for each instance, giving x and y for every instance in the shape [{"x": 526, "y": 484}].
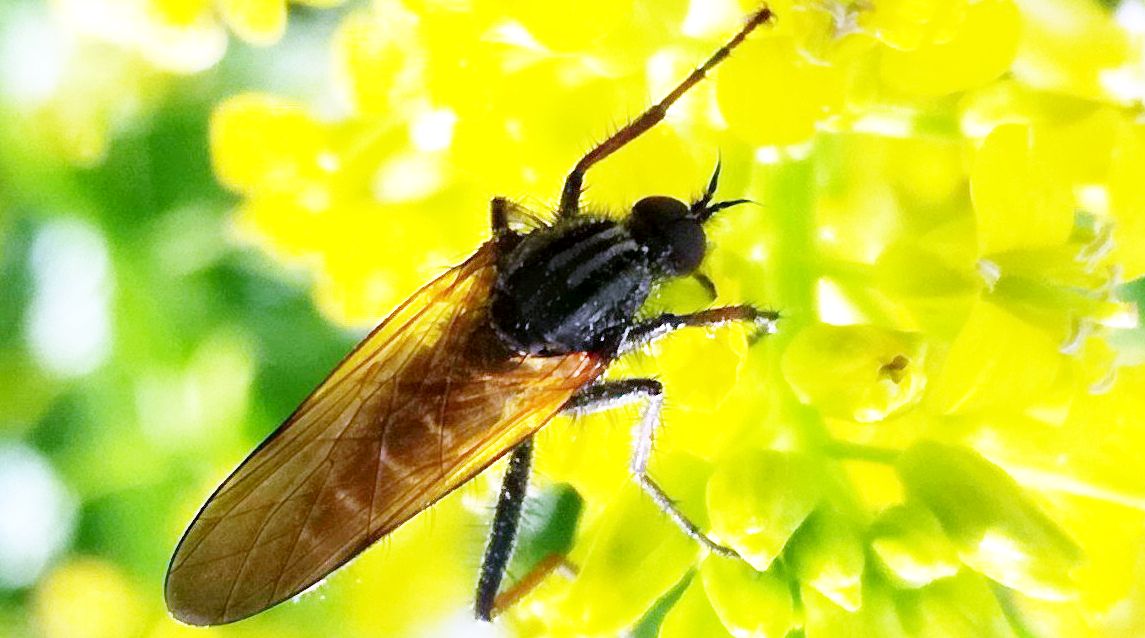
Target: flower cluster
[
  {"x": 941, "y": 439},
  {"x": 101, "y": 65},
  {"x": 181, "y": 36}
]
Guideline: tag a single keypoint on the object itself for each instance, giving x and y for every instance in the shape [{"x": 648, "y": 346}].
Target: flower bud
[
  {"x": 828, "y": 555},
  {"x": 860, "y": 373},
  {"x": 757, "y": 499},
  {"x": 911, "y": 546},
  {"x": 995, "y": 529},
  {"x": 749, "y": 603}
]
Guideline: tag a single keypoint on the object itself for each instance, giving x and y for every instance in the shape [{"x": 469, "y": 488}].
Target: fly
[{"x": 460, "y": 374}]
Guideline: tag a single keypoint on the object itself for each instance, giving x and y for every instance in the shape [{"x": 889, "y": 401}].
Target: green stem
[
  {"x": 794, "y": 268},
  {"x": 856, "y": 451},
  {"x": 1013, "y": 614},
  {"x": 793, "y": 272}
]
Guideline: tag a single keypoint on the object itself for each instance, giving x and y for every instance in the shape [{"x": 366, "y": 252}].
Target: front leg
[
  {"x": 505, "y": 213},
  {"x": 610, "y": 394},
  {"x": 500, "y": 210},
  {"x": 650, "y": 330}
]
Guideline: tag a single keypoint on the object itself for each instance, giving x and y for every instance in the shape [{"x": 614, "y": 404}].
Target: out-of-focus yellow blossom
[
  {"x": 693, "y": 615},
  {"x": 1127, "y": 198},
  {"x": 183, "y": 36},
  {"x": 87, "y": 598},
  {"x": 910, "y": 24},
  {"x": 828, "y": 556},
  {"x": 758, "y": 500},
  {"x": 911, "y": 545},
  {"x": 748, "y": 602},
  {"x": 941, "y": 439},
  {"x": 1072, "y": 46},
  {"x": 749, "y": 102},
  {"x": 636, "y": 568},
  {"x": 876, "y": 372},
  {"x": 937, "y": 65},
  {"x": 65, "y": 96},
  {"x": 101, "y": 64},
  {"x": 996, "y": 530}
]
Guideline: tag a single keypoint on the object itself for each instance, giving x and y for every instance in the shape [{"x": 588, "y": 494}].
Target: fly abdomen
[{"x": 570, "y": 288}]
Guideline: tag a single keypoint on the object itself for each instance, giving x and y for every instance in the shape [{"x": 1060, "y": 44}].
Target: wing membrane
[{"x": 425, "y": 402}]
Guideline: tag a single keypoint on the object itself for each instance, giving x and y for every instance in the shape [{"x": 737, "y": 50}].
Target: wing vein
[
  {"x": 325, "y": 389},
  {"x": 261, "y": 529},
  {"x": 300, "y": 493}
]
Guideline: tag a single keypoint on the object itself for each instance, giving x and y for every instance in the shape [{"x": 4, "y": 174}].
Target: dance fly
[{"x": 461, "y": 374}]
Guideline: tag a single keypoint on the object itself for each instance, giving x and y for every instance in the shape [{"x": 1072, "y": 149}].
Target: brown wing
[{"x": 424, "y": 403}]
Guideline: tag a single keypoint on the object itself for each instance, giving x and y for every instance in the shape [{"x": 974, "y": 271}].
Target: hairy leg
[
  {"x": 595, "y": 398},
  {"x": 503, "y": 536},
  {"x": 652, "y": 329},
  {"x": 610, "y": 394},
  {"x": 503, "y": 212}
]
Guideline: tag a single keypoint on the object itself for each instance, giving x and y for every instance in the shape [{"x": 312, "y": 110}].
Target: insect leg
[
  {"x": 504, "y": 533},
  {"x": 652, "y": 329},
  {"x": 570, "y": 194},
  {"x": 527, "y": 583},
  {"x": 609, "y": 394},
  {"x": 707, "y": 284},
  {"x": 499, "y": 216},
  {"x": 503, "y": 213}
]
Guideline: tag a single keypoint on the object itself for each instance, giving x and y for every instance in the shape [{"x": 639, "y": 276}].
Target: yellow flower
[
  {"x": 183, "y": 36},
  {"x": 940, "y": 439},
  {"x": 87, "y": 598},
  {"x": 931, "y": 59}
]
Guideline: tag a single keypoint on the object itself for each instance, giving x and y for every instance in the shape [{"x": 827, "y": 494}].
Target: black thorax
[{"x": 572, "y": 287}]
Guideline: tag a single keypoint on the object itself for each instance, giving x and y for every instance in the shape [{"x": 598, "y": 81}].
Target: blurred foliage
[{"x": 942, "y": 439}]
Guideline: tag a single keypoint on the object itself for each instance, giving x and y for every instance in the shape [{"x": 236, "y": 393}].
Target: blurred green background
[{"x": 136, "y": 340}]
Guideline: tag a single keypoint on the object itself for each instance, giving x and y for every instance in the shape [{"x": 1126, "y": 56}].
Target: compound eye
[
  {"x": 672, "y": 236},
  {"x": 658, "y": 209},
  {"x": 688, "y": 246}
]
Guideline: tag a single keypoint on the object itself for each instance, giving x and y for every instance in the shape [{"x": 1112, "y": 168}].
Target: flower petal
[
  {"x": 981, "y": 50},
  {"x": 745, "y": 89},
  {"x": 911, "y": 546},
  {"x": 997, "y": 360},
  {"x": 692, "y": 615},
  {"x": 256, "y": 21},
  {"x": 861, "y": 373},
  {"x": 262, "y": 142},
  {"x": 749, "y": 603},
  {"x": 1020, "y": 199},
  {"x": 997, "y": 530},
  {"x": 757, "y": 499},
  {"x": 828, "y": 555}
]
